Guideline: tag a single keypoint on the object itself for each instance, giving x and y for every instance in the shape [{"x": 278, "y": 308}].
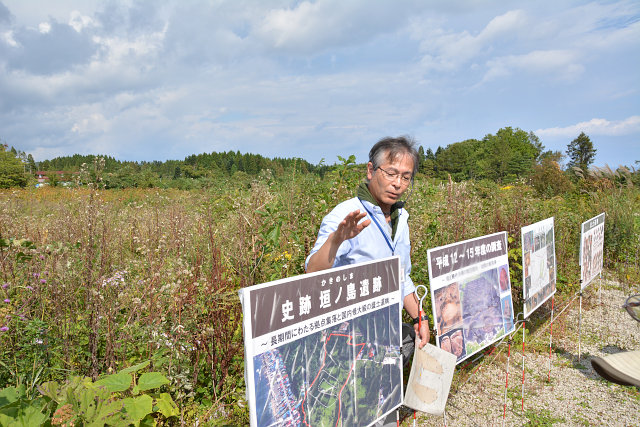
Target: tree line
[{"x": 509, "y": 155}]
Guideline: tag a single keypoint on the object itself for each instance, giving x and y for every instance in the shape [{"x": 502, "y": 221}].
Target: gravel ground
[{"x": 575, "y": 395}]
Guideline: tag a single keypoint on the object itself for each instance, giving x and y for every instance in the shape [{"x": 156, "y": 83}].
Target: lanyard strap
[{"x": 386, "y": 238}]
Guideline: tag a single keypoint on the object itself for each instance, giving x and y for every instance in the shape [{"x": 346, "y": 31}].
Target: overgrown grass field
[{"x": 96, "y": 281}]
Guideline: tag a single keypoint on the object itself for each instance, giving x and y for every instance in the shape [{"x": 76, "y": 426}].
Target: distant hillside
[{"x": 193, "y": 166}]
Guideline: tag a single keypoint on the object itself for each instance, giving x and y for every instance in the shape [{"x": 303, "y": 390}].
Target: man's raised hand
[
  {"x": 347, "y": 229},
  {"x": 351, "y": 226}
]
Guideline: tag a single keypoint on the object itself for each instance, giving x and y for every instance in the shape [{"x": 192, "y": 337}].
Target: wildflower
[
  {"x": 4, "y": 329},
  {"x": 43, "y": 281},
  {"x": 5, "y": 286},
  {"x": 7, "y": 300},
  {"x": 36, "y": 275},
  {"x": 30, "y": 288}
]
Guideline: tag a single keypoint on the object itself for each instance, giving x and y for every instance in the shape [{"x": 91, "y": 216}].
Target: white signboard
[
  {"x": 591, "y": 249},
  {"x": 324, "y": 348},
  {"x": 471, "y": 294},
  {"x": 538, "y": 264}
]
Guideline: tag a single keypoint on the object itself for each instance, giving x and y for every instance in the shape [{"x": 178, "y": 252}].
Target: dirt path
[{"x": 576, "y": 395}]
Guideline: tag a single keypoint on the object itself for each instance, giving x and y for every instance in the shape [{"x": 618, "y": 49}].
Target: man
[{"x": 346, "y": 237}]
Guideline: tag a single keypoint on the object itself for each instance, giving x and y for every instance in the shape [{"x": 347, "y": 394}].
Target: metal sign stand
[{"x": 580, "y": 325}]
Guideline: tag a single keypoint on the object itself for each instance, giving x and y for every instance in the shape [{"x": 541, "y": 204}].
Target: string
[{"x": 386, "y": 238}]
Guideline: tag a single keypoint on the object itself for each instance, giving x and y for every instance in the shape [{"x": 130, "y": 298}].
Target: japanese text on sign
[
  {"x": 460, "y": 255},
  {"x": 308, "y": 297}
]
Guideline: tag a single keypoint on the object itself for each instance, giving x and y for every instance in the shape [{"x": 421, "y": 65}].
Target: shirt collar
[{"x": 363, "y": 193}]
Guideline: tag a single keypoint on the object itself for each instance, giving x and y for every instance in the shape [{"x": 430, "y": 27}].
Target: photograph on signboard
[
  {"x": 325, "y": 358},
  {"x": 448, "y": 309},
  {"x": 507, "y": 313},
  {"x": 538, "y": 265},
  {"x": 468, "y": 280},
  {"x": 591, "y": 249},
  {"x": 505, "y": 283},
  {"x": 481, "y": 310},
  {"x": 453, "y": 342}
]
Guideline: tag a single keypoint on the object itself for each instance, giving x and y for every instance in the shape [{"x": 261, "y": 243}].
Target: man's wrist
[{"x": 416, "y": 320}]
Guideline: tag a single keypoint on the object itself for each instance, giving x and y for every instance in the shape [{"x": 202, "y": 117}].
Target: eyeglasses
[{"x": 405, "y": 179}]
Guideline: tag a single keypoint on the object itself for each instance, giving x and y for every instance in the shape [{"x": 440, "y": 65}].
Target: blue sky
[{"x": 157, "y": 80}]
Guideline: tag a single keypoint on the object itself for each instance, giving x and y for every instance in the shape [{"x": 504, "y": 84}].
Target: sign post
[
  {"x": 324, "y": 348},
  {"x": 471, "y": 294}
]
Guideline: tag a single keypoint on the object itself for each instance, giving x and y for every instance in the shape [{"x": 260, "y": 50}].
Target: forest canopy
[{"x": 509, "y": 155}]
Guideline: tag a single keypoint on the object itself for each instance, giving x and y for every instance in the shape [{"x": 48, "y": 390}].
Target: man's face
[{"x": 385, "y": 188}]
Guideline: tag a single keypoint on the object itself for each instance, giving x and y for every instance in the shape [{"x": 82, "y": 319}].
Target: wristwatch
[{"x": 417, "y": 320}]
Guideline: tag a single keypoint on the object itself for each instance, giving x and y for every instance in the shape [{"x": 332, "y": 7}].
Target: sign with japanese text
[
  {"x": 538, "y": 264},
  {"x": 471, "y": 294},
  {"x": 324, "y": 348},
  {"x": 591, "y": 249}
]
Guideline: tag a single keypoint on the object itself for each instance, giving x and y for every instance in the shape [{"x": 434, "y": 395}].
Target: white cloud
[
  {"x": 628, "y": 126},
  {"x": 79, "y": 21},
  {"x": 90, "y": 124},
  {"x": 561, "y": 64},
  {"x": 44, "y": 27},
  {"x": 7, "y": 37},
  {"x": 447, "y": 50},
  {"x": 310, "y": 27}
]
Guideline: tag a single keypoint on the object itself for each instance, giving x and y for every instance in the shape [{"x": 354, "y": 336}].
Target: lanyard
[{"x": 386, "y": 238}]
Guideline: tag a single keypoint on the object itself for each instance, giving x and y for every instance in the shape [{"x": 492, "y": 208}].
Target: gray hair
[{"x": 389, "y": 149}]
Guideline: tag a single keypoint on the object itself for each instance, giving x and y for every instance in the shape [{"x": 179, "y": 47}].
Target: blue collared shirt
[{"x": 370, "y": 244}]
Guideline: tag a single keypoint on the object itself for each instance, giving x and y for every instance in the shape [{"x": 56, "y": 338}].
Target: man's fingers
[
  {"x": 351, "y": 221},
  {"x": 423, "y": 333},
  {"x": 364, "y": 224},
  {"x": 355, "y": 216}
]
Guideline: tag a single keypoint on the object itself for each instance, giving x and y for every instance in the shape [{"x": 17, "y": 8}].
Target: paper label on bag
[{"x": 430, "y": 379}]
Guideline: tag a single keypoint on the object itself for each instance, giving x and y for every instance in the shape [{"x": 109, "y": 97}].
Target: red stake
[{"x": 506, "y": 384}]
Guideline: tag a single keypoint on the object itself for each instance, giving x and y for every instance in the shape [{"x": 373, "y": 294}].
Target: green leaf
[
  {"x": 33, "y": 417},
  {"x": 166, "y": 406},
  {"x": 135, "y": 368},
  {"x": 137, "y": 408},
  {"x": 116, "y": 382},
  {"x": 87, "y": 402},
  {"x": 111, "y": 414},
  {"x": 151, "y": 380},
  {"x": 21, "y": 257},
  {"x": 148, "y": 421},
  {"x": 27, "y": 244},
  {"x": 8, "y": 395},
  {"x": 5, "y": 420}
]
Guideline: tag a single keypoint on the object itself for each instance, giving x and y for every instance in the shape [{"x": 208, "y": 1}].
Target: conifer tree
[{"x": 581, "y": 152}]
